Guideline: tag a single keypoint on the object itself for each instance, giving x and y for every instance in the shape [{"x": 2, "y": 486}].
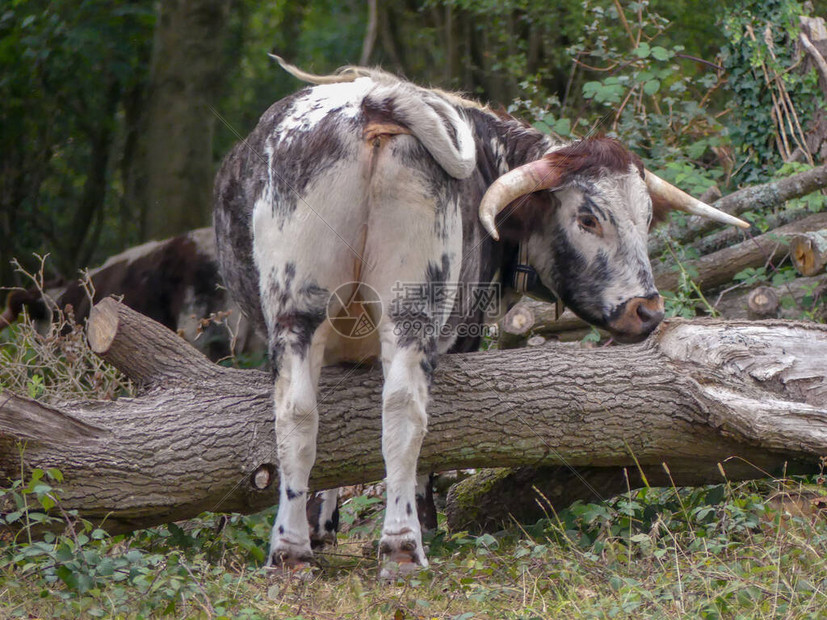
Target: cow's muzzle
[{"x": 636, "y": 318}]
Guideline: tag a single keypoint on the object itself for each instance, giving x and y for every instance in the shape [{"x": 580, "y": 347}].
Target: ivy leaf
[
  {"x": 590, "y": 88},
  {"x": 64, "y": 553},
  {"x": 106, "y": 568},
  {"x": 47, "y": 502},
  {"x": 14, "y": 516},
  {"x": 67, "y": 576}
]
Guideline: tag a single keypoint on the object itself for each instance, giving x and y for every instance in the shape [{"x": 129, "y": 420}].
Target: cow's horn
[
  {"x": 531, "y": 177},
  {"x": 680, "y": 200}
]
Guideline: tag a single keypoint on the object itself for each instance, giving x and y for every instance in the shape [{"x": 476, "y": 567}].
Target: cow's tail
[
  {"x": 433, "y": 116},
  {"x": 345, "y": 74},
  {"x": 441, "y": 128}
]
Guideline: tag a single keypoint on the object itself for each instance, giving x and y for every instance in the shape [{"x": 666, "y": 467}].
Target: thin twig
[{"x": 623, "y": 21}]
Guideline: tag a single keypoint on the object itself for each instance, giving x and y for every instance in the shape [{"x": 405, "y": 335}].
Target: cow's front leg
[{"x": 404, "y": 422}]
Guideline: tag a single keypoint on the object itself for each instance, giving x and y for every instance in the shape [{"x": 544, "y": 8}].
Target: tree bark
[
  {"x": 170, "y": 181},
  {"x": 201, "y": 437}
]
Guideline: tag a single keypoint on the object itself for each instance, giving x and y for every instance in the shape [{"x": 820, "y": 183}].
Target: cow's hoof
[
  {"x": 402, "y": 555},
  {"x": 327, "y": 539},
  {"x": 286, "y": 556}
]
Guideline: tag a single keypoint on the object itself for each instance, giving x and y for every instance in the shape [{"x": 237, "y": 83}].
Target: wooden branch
[
  {"x": 809, "y": 252},
  {"x": 818, "y": 59},
  {"x": 201, "y": 437},
  {"x": 370, "y": 34}
]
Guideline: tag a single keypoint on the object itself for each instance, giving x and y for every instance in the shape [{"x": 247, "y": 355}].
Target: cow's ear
[
  {"x": 524, "y": 215},
  {"x": 660, "y": 212}
]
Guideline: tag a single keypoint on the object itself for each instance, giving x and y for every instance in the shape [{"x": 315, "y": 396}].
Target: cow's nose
[
  {"x": 637, "y": 319},
  {"x": 649, "y": 311}
]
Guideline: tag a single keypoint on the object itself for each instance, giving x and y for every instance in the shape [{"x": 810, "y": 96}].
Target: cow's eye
[{"x": 589, "y": 222}]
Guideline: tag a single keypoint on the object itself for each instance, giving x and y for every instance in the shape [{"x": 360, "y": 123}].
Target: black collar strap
[
  {"x": 525, "y": 276},
  {"x": 526, "y": 281}
]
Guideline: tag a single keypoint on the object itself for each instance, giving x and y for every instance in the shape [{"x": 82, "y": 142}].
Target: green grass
[{"x": 755, "y": 550}]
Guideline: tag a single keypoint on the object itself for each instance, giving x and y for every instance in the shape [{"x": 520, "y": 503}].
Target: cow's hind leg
[
  {"x": 297, "y": 346},
  {"x": 408, "y": 366},
  {"x": 414, "y": 250}
]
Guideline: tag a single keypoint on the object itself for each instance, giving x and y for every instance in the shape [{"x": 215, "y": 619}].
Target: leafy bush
[{"x": 58, "y": 363}]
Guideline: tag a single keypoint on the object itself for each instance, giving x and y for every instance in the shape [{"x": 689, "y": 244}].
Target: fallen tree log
[
  {"x": 494, "y": 498},
  {"x": 201, "y": 437},
  {"x": 730, "y": 236},
  {"x": 719, "y": 267},
  {"x": 529, "y": 316}
]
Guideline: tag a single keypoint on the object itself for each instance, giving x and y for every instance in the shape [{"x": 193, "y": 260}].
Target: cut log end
[
  {"x": 762, "y": 303},
  {"x": 535, "y": 341},
  {"x": 121, "y": 335},
  {"x": 519, "y": 320},
  {"x": 102, "y": 326},
  {"x": 263, "y": 476},
  {"x": 809, "y": 252}
]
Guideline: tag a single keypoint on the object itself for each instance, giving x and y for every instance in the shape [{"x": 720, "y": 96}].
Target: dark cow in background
[
  {"x": 174, "y": 281},
  {"x": 32, "y": 302},
  {"x": 366, "y": 180}
]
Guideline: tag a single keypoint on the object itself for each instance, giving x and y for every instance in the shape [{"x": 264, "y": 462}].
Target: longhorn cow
[{"x": 366, "y": 181}]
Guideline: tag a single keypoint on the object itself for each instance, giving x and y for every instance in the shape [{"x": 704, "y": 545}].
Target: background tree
[{"x": 169, "y": 178}]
